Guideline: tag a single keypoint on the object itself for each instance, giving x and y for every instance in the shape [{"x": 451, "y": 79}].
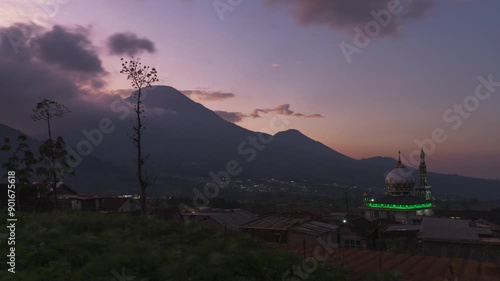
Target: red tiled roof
[{"x": 412, "y": 268}]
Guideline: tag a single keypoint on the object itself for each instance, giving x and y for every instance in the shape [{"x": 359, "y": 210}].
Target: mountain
[
  {"x": 293, "y": 155},
  {"x": 93, "y": 176},
  {"x": 185, "y": 138}
]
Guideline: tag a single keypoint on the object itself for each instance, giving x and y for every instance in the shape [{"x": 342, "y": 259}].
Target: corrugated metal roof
[
  {"x": 275, "y": 222},
  {"x": 233, "y": 219},
  {"x": 450, "y": 229},
  {"x": 403, "y": 227},
  {"x": 314, "y": 228}
]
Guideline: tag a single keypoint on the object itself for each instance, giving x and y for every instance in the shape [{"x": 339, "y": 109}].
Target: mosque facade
[{"x": 402, "y": 201}]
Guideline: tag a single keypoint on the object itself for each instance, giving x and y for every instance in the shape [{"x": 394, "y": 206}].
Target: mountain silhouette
[{"x": 185, "y": 138}]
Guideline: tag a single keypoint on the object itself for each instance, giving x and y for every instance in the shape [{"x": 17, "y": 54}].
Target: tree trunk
[
  {"x": 53, "y": 164},
  {"x": 140, "y": 161}
]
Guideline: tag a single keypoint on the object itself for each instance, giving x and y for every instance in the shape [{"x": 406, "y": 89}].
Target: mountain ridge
[{"x": 194, "y": 140}]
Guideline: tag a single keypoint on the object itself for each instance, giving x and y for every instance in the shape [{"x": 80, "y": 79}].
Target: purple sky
[{"x": 285, "y": 57}]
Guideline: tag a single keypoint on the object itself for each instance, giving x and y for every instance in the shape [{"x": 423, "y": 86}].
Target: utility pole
[{"x": 347, "y": 204}]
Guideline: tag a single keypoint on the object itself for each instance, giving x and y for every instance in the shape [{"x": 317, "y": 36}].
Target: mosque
[{"x": 400, "y": 202}]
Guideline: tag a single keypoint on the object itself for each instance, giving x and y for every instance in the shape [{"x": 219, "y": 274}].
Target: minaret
[
  {"x": 399, "y": 164},
  {"x": 423, "y": 169},
  {"x": 423, "y": 190}
]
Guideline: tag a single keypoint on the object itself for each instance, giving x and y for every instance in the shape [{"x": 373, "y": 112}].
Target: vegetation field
[{"x": 93, "y": 247}]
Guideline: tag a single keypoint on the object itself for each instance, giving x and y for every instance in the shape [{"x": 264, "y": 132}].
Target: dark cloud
[
  {"x": 419, "y": 9},
  {"x": 71, "y": 49},
  {"x": 129, "y": 44},
  {"x": 29, "y": 72},
  {"x": 202, "y": 95},
  {"x": 283, "y": 109},
  {"x": 344, "y": 15},
  {"x": 316, "y": 115},
  {"x": 233, "y": 117}
]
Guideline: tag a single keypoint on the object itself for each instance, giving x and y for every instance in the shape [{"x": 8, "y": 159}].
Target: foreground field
[{"x": 93, "y": 247}]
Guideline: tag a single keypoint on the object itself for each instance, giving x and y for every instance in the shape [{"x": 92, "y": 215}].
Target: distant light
[
  {"x": 344, "y": 221},
  {"x": 373, "y": 200}
]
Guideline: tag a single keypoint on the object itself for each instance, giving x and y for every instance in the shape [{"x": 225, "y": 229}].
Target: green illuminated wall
[{"x": 399, "y": 206}]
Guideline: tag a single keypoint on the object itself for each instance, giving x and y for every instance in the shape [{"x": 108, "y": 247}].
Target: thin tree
[
  {"x": 140, "y": 78},
  {"x": 21, "y": 160},
  {"x": 46, "y": 110},
  {"x": 54, "y": 152}
]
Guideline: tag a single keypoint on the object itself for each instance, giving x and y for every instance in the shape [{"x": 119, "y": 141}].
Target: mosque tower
[{"x": 423, "y": 190}]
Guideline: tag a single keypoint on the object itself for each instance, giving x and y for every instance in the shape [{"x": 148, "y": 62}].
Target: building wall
[
  {"x": 399, "y": 241},
  {"x": 76, "y": 205},
  {"x": 350, "y": 239},
  {"x": 401, "y": 216},
  {"x": 90, "y": 204},
  {"x": 425, "y": 212},
  {"x": 353, "y": 241},
  {"x": 297, "y": 239},
  {"x": 125, "y": 207},
  {"x": 268, "y": 235}
]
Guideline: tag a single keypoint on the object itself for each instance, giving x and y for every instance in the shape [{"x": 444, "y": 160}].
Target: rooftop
[
  {"x": 453, "y": 230},
  {"x": 413, "y": 268},
  {"x": 314, "y": 228},
  {"x": 113, "y": 204},
  {"x": 365, "y": 227},
  {"x": 275, "y": 222},
  {"x": 403, "y": 227},
  {"x": 230, "y": 219}
]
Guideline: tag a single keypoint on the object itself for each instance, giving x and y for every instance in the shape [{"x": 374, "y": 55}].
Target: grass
[{"x": 81, "y": 246}]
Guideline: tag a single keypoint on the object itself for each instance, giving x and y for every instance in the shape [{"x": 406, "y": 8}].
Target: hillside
[{"x": 94, "y": 176}]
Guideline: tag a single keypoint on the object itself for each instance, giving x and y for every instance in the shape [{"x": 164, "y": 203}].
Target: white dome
[{"x": 399, "y": 175}]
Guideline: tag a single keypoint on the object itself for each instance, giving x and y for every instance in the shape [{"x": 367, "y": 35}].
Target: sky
[{"x": 366, "y": 78}]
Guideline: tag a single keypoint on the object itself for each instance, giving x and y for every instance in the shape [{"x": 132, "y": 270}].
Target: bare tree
[
  {"x": 140, "y": 78},
  {"x": 46, "y": 110}
]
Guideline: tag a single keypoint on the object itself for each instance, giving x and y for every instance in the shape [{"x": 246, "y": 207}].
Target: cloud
[
  {"x": 203, "y": 95},
  {"x": 74, "y": 78},
  {"x": 34, "y": 72},
  {"x": 275, "y": 65},
  {"x": 316, "y": 115},
  {"x": 283, "y": 109},
  {"x": 71, "y": 49},
  {"x": 233, "y": 117},
  {"x": 39, "y": 12},
  {"x": 419, "y": 9},
  {"x": 127, "y": 43},
  {"x": 344, "y": 15}
]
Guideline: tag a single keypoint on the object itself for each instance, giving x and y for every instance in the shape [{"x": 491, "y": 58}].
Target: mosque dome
[
  {"x": 400, "y": 180},
  {"x": 400, "y": 175}
]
